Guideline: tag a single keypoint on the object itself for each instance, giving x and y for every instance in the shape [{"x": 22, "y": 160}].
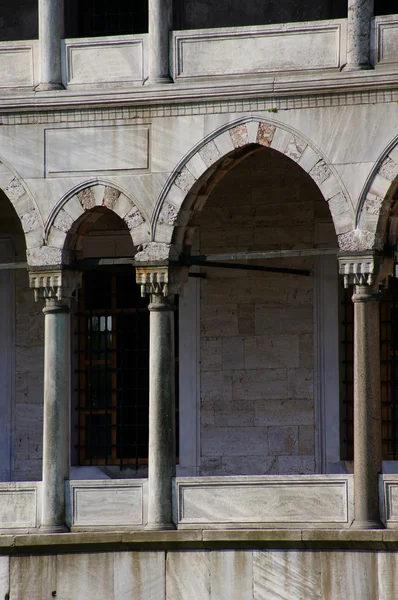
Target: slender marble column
[
  {"x": 367, "y": 407},
  {"x": 160, "y": 24},
  {"x": 162, "y": 446},
  {"x": 56, "y": 415},
  {"x": 55, "y": 286},
  {"x": 360, "y": 13},
  {"x": 51, "y": 31}
]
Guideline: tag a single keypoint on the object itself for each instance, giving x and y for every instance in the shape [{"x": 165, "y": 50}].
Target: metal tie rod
[{"x": 203, "y": 258}]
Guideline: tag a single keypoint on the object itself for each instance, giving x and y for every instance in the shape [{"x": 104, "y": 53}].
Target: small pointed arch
[
  {"x": 190, "y": 184},
  {"x": 79, "y": 204},
  {"x": 377, "y": 214}
]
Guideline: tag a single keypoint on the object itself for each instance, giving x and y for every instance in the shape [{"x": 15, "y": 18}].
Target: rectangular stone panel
[
  {"x": 266, "y": 49},
  {"x": 386, "y": 40},
  {"x": 102, "y": 61},
  {"x": 93, "y": 150},
  {"x": 18, "y": 506},
  {"x": 17, "y": 64},
  {"x": 113, "y": 503},
  {"x": 270, "y": 501}
]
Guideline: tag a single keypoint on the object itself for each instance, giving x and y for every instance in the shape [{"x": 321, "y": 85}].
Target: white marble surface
[
  {"x": 19, "y": 506},
  {"x": 349, "y": 574},
  {"x": 94, "y": 150},
  {"x": 231, "y": 575},
  {"x": 17, "y": 64},
  {"x": 287, "y": 575},
  {"x": 112, "y": 503},
  {"x": 4, "y": 575},
  {"x": 98, "y": 61},
  {"x": 85, "y": 576},
  {"x": 267, "y": 49},
  {"x": 188, "y": 575},
  {"x": 386, "y": 50},
  {"x": 305, "y": 501},
  {"x": 139, "y": 575}
]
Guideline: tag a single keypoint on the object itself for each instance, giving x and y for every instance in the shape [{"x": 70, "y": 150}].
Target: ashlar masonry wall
[{"x": 257, "y": 359}]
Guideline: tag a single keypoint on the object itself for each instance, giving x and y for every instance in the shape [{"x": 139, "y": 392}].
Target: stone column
[
  {"x": 161, "y": 284},
  {"x": 360, "y": 13},
  {"x": 55, "y": 287},
  {"x": 51, "y": 31},
  {"x": 160, "y": 25},
  {"x": 366, "y": 273}
]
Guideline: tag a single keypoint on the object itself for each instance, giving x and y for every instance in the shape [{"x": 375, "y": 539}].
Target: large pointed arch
[{"x": 191, "y": 182}]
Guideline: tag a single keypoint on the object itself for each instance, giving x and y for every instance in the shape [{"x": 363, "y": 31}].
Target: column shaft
[
  {"x": 367, "y": 408},
  {"x": 360, "y": 13},
  {"x": 160, "y": 24},
  {"x": 162, "y": 448},
  {"x": 51, "y": 31},
  {"x": 56, "y": 417}
]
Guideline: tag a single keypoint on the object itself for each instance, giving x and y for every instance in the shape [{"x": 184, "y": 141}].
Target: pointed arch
[
  {"x": 84, "y": 198},
  {"x": 193, "y": 179}
]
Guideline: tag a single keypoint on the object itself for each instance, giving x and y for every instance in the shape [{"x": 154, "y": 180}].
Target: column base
[
  {"x": 367, "y": 525},
  {"x": 48, "y": 87},
  {"x": 53, "y": 529},
  {"x": 159, "y": 80},
  {"x": 354, "y": 67},
  {"x": 160, "y": 527}
]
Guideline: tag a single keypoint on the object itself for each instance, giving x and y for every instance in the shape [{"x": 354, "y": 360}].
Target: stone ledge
[{"x": 200, "y": 539}]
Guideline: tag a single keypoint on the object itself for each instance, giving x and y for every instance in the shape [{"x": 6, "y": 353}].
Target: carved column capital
[
  {"x": 365, "y": 269},
  {"x": 55, "y": 286},
  {"x": 161, "y": 280}
]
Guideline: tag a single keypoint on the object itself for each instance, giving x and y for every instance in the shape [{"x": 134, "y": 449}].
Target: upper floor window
[{"x": 92, "y": 18}]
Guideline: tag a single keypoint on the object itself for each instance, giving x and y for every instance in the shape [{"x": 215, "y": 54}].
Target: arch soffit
[
  {"x": 372, "y": 214},
  {"x": 64, "y": 217},
  {"x": 24, "y": 204},
  {"x": 187, "y": 179}
]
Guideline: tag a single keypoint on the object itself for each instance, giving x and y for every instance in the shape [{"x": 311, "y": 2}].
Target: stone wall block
[
  {"x": 123, "y": 206},
  {"x": 380, "y": 186},
  {"x": 209, "y": 154},
  {"x": 239, "y": 136},
  {"x": 63, "y": 221},
  {"x": 98, "y": 193},
  {"x": 86, "y": 198},
  {"x": 185, "y": 180},
  {"x": 233, "y": 356},
  {"x": 231, "y": 575},
  {"x": 34, "y": 238},
  {"x": 210, "y": 465},
  {"x": 88, "y": 576},
  {"x": 14, "y": 190},
  {"x": 309, "y": 159},
  {"x": 265, "y": 134},
  {"x": 33, "y": 577},
  {"x": 355, "y": 241},
  {"x": 295, "y": 148},
  {"x": 197, "y": 165},
  {"x": 306, "y": 350},
  {"x": 301, "y": 383},
  {"x": 374, "y": 205},
  {"x": 29, "y": 221},
  {"x": 320, "y": 173},
  {"x": 281, "y": 320},
  {"x": 249, "y": 465},
  {"x": 111, "y": 196},
  {"x": 73, "y": 208},
  {"x": 168, "y": 214},
  {"x": 287, "y": 575},
  {"x": 56, "y": 238},
  {"x": 389, "y": 169},
  {"x": 211, "y": 354},
  {"x": 272, "y": 351},
  {"x": 215, "y": 386},
  {"x": 238, "y": 413},
  {"x": 281, "y": 139},
  {"x": 284, "y": 412},
  {"x": 4, "y": 576},
  {"x": 330, "y": 188},
  {"x": 224, "y": 143},
  {"x": 234, "y": 441},
  {"x": 296, "y": 465},
  {"x": 246, "y": 318},
  {"x": 343, "y": 223},
  {"x": 349, "y": 574},
  {"x": 133, "y": 219},
  {"x": 258, "y": 384},
  {"x": 306, "y": 439},
  {"x": 219, "y": 320},
  {"x": 283, "y": 441},
  {"x": 188, "y": 575},
  {"x": 139, "y": 575}
]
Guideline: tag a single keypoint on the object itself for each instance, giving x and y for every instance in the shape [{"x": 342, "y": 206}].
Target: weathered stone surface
[
  {"x": 139, "y": 575},
  {"x": 352, "y": 572},
  {"x": 188, "y": 575},
  {"x": 89, "y": 576},
  {"x": 231, "y": 575},
  {"x": 34, "y": 577}
]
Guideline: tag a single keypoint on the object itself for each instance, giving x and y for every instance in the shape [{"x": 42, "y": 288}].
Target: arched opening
[
  {"x": 269, "y": 346},
  {"x": 110, "y": 325},
  {"x": 93, "y": 18}
]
